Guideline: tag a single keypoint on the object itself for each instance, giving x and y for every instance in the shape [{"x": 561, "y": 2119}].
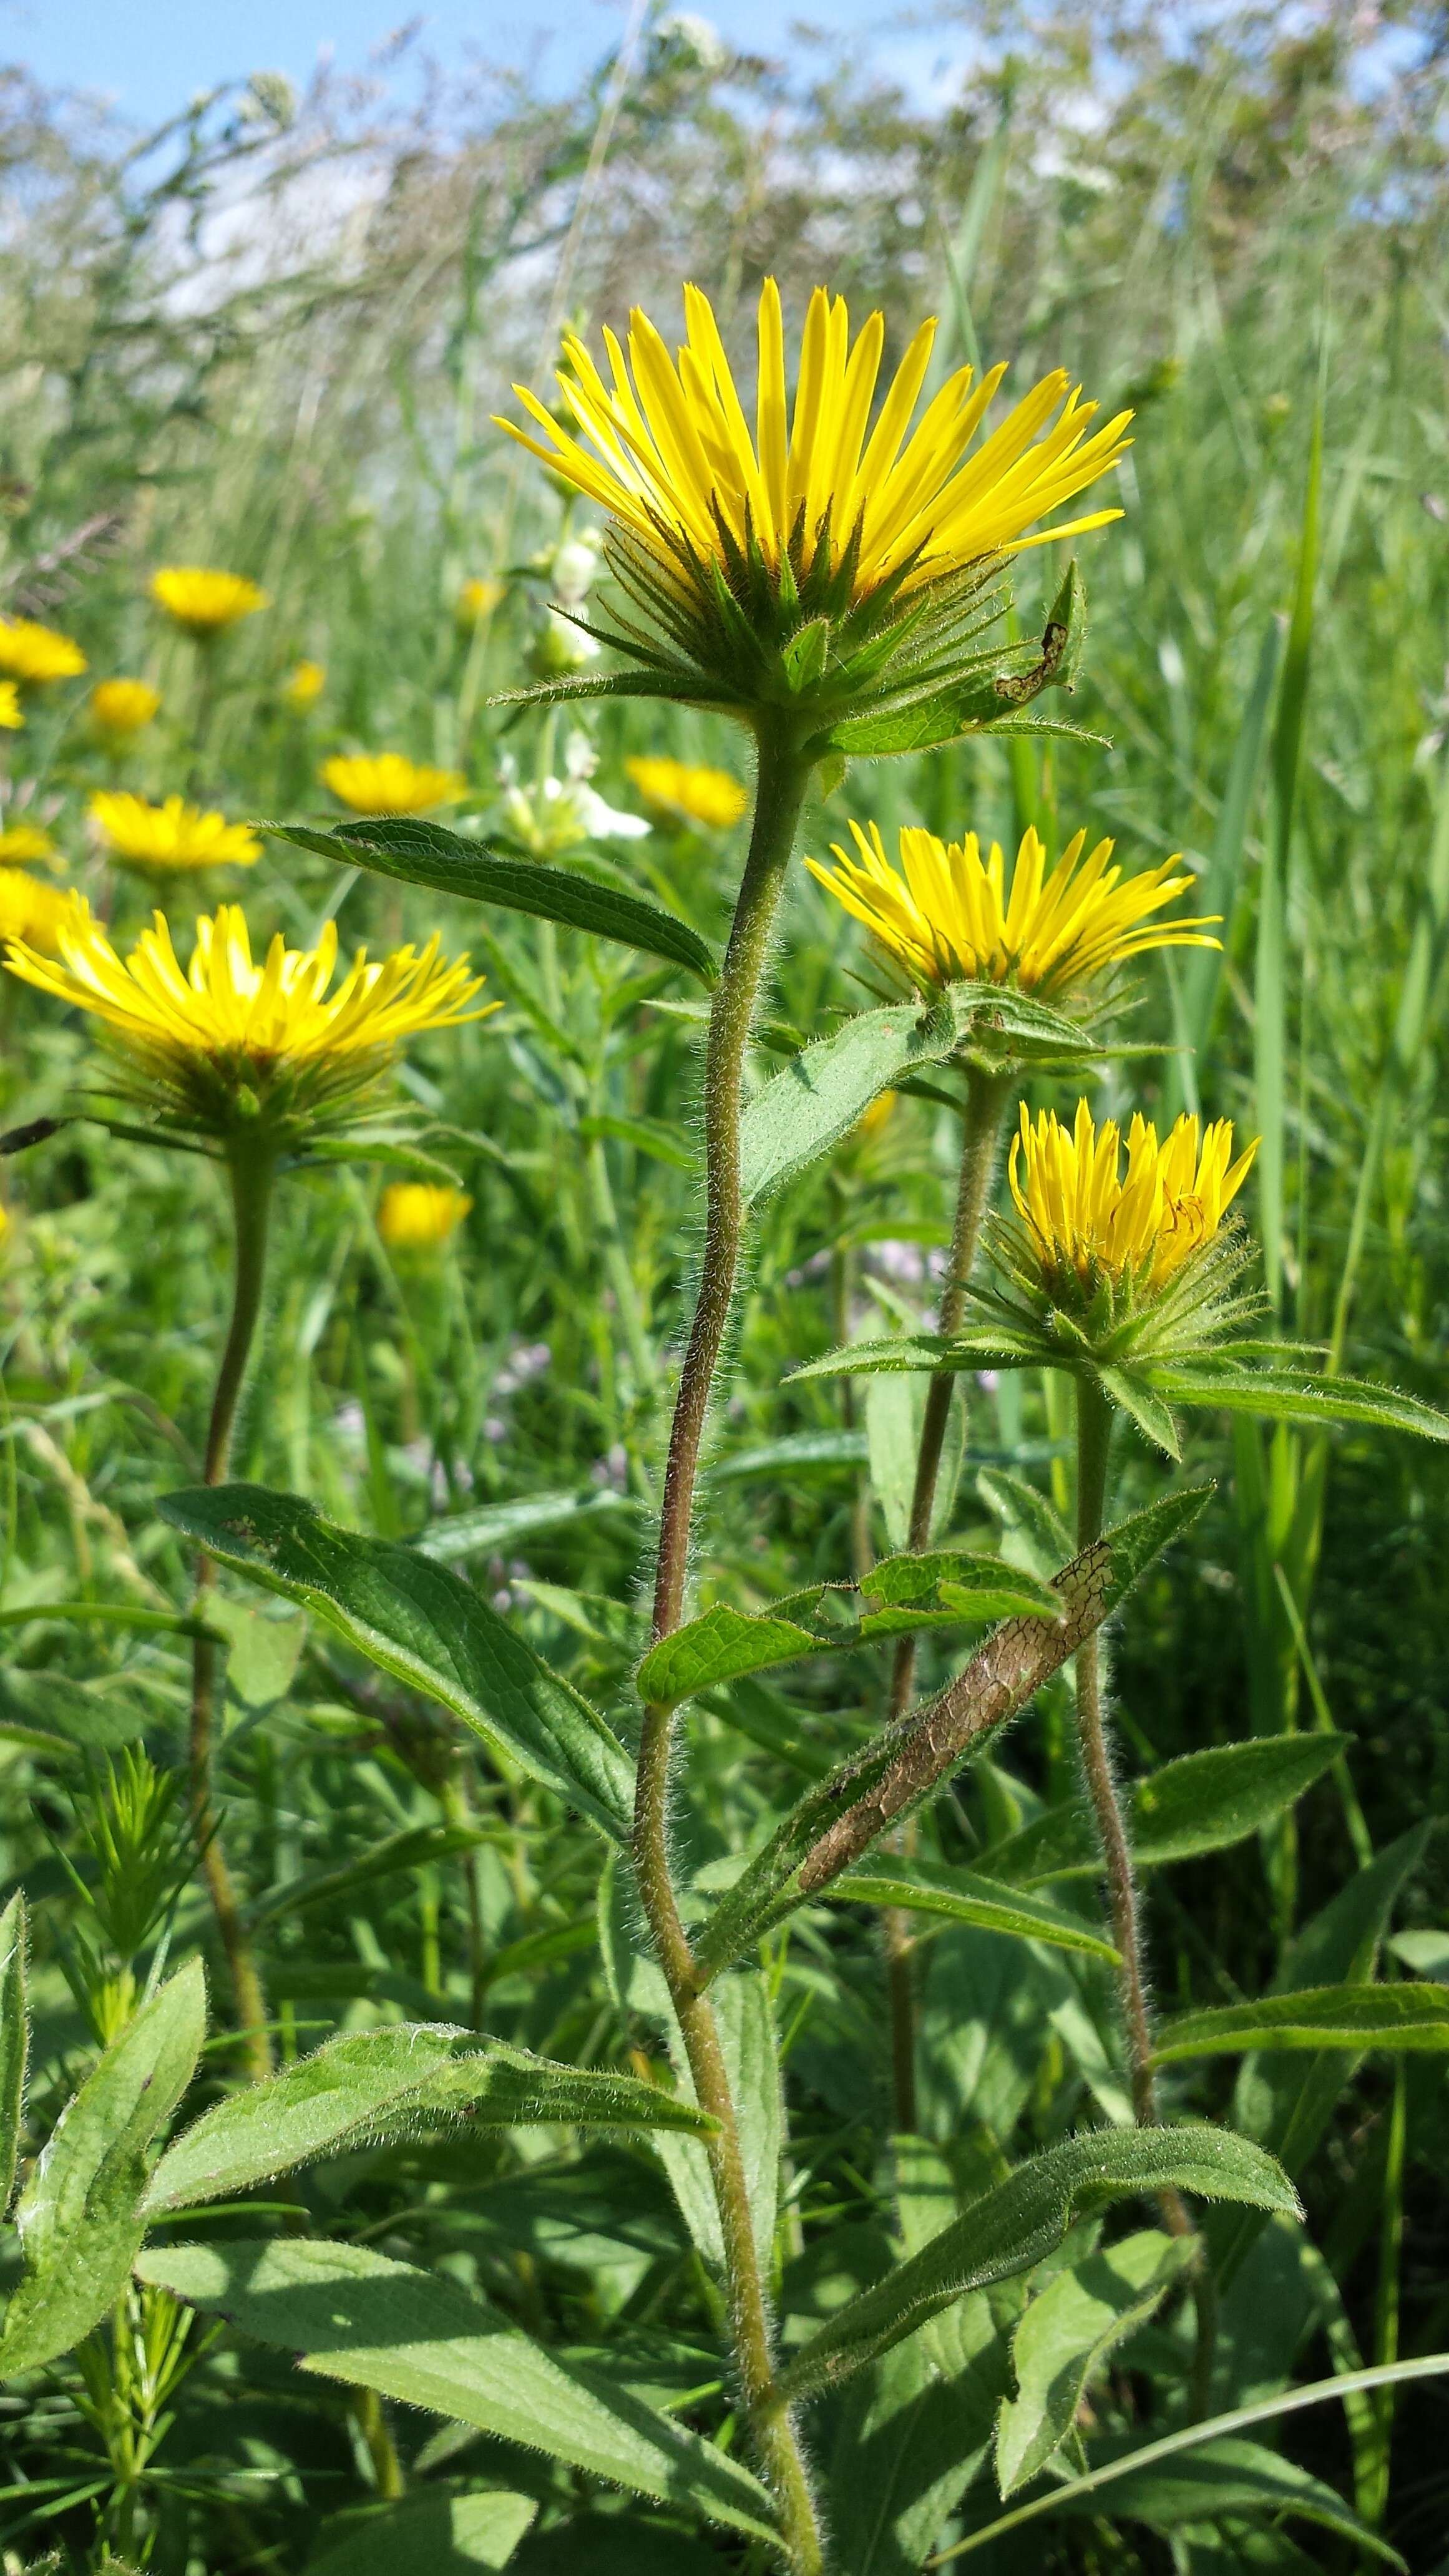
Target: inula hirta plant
[{"x": 831, "y": 570}]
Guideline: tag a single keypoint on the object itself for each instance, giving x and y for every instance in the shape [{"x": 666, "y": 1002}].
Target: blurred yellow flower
[
  {"x": 685, "y": 793},
  {"x": 384, "y": 782},
  {"x": 676, "y": 464},
  {"x": 477, "y": 598},
  {"x": 173, "y": 835},
  {"x": 37, "y": 653},
  {"x": 419, "y": 1216},
  {"x": 11, "y": 717},
  {"x": 31, "y": 911},
  {"x": 25, "y": 841},
  {"x": 1083, "y": 1218},
  {"x": 202, "y": 601},
  {"x": 946, "y": 916},
  {"x": 228, "y": 1027},
  {"x": 303, "y": 686},
  {"x": 123, "y": 707}
]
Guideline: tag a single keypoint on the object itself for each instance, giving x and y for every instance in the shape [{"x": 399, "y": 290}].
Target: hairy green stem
[
  {"x": 1094, "y": 1441},
  {"x": 252, "y": 1174},
  {"x": 986, "y": 1097},
  {"x": 783, "y": 774}
]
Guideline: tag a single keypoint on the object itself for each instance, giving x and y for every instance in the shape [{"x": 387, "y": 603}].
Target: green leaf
[
  {"x": 494, "y": 1528},
  {"x": 1066, "y": 2335},
  {"x": 423, "y": 853},
  {"x": 375, "y": 2085},
  {"x": 1207, "y": 1801},
  {"x": 420, "y": 2337},
  {"x": 922, "y": 1887},
  {"x": 437, "y": 2534},
  {"x": 425, "y": 1625},
  {"x": 1131, "y": 1394},
  {"x": 1030, "y": 1522},
  {"x": 912, "y": 2433},
  {"x": 822, "y": 1092},
  {"x": 800, "y": 1453},
  {"x": 262, "y": 1651},
  {"x": 1024, "y": 2218},
  {"x": 746, "y": 2023},
  {"x": 80, "y": 2214},
  {"x": 934, "y": 1353},
  {"x": 1284, "y": 1395},
  {"x": 646, "y": 1135},
  {"x": 1234, "y": 2477},
  {"x": 1393, "y": 2017},
  {"x": 414, "y": 1848},
  {"x": 14, "y": 2041},
  {"x": 986, "y": 1586}
]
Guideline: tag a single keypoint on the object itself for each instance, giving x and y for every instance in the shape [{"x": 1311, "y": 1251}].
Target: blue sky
[{"x": 150, "y": 57}]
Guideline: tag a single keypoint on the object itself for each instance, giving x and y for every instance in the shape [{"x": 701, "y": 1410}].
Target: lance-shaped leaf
[
  {"x": 1028, "y": 2215},
  {"x": 420, "y": 2337},
  {"x": 837, "y": 1821},
  {"x": 945, "y": 1589},
  {"x": 962, "y": 1896},
  {"x": 376, "y": 2085},
  {"x": 1067, "y": 2334},
  {"x": 1236, "y": 2479},
  {"x": 424, "y": 1624},
  {"x": 995, "y": 1346},
  {"x": 14, "y": 2041},
  {"x": 431, "y": 2534},
  {"x": 1203, "y": 1802},
  {"x": 423, "y": 853},
  {"x": 1285, "y": 1395},
  {"x": 1393, "y": 2017},
  {"x": 80, "y": 2215}
]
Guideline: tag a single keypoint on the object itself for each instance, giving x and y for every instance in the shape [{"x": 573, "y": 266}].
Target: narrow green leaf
[
  {"x": 437, "y": 2534},
  {"x": 1068, "y": 2332},
  {"x": 963, "y": 1896},
  {"x": 420, "y": 2337},
  {"x": 746, "y": 2023},
  {"x": 421, "y": 1622},
  {"x": 14, "y": 2041},
  {"x": 1199, "y": 970},
  {"x": 80, "y": 2214},
  {"x": 1393, "y": 2017},
  {"x": 1024, "y": 2218},
  {"x": 1130, "y": 1392},
  {"x": 1236, "y": 2478},
  {"x": 1283, "y": 1395},
  {"x": 1207, "y": 1801},
  {"x": 423, "y": 853},
  {"x": 372, "y": 2086},
  {"x": 933, "y": 1353},
  {"x": 821, "y": 1093},
  {"x": 495, "y": 1528},
  {"x": 1028, "y": 1518},
  {"x": 799, "y": 1453},
  {"x": 414, "y": 1848}
]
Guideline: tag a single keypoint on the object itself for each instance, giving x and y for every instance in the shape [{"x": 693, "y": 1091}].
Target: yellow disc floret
[
  {"x": 122, "y": 707},
  {"x": 670, "y": 453},
  {"x": 1085, "y": 1219},
  {"x": 203, "y": 601},
  {"x": 35, "y": 654},
  {"x": 420, "y": 1216},
  {"x": 947, "y": 916},
  {"x": 687, "y": 793},
  {"x": 173, "y": 835},
  {"x": 384, "y": 782}
]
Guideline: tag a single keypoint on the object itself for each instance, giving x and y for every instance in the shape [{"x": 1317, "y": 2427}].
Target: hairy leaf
[
  {"x": 1067, "y": 2333},
  {"x": 14, "y": 2041},
  {"x": 1233, "y": 2477},
  {"x": 435, "y": 2534},
  {"x": 922, "y": 1887},
  {"x": 1393, "y": 2017},
  {"x": 1283, "y": 1395}
]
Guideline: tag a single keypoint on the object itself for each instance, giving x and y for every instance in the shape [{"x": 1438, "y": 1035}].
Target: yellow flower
[
  {"x": 688, "y": 794},
  {"x": 304, "y": 686},
  {"x": 202, "y": 601},
  {"x": 419, "y": 1216},
  {"x": 10, "y": 716},
  {"x": 946, "y": 916},
  {"x": 477, "y": 598},
  {"x": 229, "y": 1037},
  {"x": 385, "y": 783},
  {"x": 675, "y": 461},
  {"x": 173, "y": 835},
  {"x": 37, "y": 653},
  {"x": 123, "y": 707},
  {"x": 25, "y": 841},
  {"x": 1083, "y": 1218},
  {"x": 30, "y": 911}
]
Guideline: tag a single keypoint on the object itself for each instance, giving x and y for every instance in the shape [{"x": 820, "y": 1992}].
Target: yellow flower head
[
  {"x": 30, "y": 910},
  {"x": 202, "y": 601},
  {"x": 946, "y": 916},
  {"x": 477, "y": 598},
  {"x": 122, "y": 707},
  {"x": 303, "y": 686},
  {"x": 173, "y": 835},
  {"x": 25, "y": 841},
  {"x": 11, "y": 717},
  {"x": 37, "y": 653},
  {"x": 1085, "y": 1221},
  {"x": 228, "y": 1030},
  {"x": 384, "y": 782},
  {"x": 684, "y": 793},
  {"x": 419, "y": 1216},
  {"x": 673, "y": 458}
]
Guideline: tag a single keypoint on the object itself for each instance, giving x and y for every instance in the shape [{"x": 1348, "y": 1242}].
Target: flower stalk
[{"x": 784, "y": 770}]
